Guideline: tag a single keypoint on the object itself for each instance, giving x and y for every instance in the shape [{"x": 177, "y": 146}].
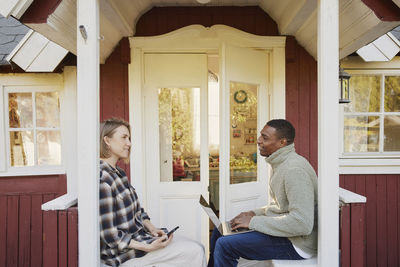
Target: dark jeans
[{"x": 226, "y": 250}]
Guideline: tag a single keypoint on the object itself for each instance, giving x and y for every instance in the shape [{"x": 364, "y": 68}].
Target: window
[
  {"x": 33, "y": 124},
  {"x": 33, "y": 128},
  {"x": 371, "y": 122}
]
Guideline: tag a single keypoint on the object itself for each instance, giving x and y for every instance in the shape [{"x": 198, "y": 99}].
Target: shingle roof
[
  {"x": 11, "y": 32},
  {"x": 396, "y": 32}
]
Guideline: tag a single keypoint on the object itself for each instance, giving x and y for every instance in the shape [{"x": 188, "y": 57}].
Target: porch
[{"x": 301, "y": 108}]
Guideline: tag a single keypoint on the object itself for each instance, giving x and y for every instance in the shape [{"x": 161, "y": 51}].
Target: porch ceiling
[{"x": 358, "y": 25}]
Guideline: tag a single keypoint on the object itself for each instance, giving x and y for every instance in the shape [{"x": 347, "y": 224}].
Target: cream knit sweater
[{"x": 292, "y": 209}]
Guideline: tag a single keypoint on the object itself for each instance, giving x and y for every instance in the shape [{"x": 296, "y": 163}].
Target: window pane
[
  {"x": 392, "y": 94},
  {"x": 392, "y": 133},
  {"x": 21, "y": 149},
  {"x": 20, "y": 110},
  {"x": 47, "y": 110},
  {"x": 243, "y": 133},
  {"x": 49, "y": 147},
  {"x": 179, "y": 129},
  {"x": 361, "y": 133},
  {"x": 364, "y": 94}
]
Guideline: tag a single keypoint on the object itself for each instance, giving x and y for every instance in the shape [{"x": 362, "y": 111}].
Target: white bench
[{"x": 313, "y": 262}]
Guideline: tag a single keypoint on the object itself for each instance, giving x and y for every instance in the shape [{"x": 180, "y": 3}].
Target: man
[{"x": 287, "y": 227}]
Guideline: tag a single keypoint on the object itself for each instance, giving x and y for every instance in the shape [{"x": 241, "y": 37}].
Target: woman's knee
[{"x": 191, "y": 247}]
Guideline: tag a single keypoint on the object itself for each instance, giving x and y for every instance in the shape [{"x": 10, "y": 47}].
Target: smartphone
[{"x": 173, "y": 230}]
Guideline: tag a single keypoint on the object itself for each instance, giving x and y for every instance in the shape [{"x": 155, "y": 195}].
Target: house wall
[
  {"x": 301, "y": 68},
  {"x": 23, "y": 225},
  {"x": 114, "y": 95},
  {"x": 382, "y": 215},
  {"x": 20, "y": 202}
]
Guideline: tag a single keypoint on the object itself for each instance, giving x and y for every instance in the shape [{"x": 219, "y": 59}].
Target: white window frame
[
  {"x": 38, "y": 83},
  {"x": 369, "y": 162}
]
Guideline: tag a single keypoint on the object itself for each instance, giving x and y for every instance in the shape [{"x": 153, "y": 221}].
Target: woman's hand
[
  {"x": 152, "y": 229},
  {"x": 161, "y": 242},
  {"x": 157, "y": 232}
]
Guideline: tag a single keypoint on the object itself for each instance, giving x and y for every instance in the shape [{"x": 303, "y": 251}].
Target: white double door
[{"x": 176, "y": 121}]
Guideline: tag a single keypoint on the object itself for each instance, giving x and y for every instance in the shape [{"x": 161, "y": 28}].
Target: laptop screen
[{"x": 210, "y": 212}]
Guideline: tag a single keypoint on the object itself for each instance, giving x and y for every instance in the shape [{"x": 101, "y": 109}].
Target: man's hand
[{"x": 242, "y": 220}]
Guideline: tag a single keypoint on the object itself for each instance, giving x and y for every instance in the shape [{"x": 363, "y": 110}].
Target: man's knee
[{"x": 223, "y": 245}]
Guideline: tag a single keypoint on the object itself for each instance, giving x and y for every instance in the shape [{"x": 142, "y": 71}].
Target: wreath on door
[{"x": 240, "y": 96}]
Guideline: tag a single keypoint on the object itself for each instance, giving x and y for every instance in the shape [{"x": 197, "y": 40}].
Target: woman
[{"x": 127, "y": 237}]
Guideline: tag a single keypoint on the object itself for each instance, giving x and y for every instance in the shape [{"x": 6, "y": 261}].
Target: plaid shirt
[{"x": 121, "y": 217}]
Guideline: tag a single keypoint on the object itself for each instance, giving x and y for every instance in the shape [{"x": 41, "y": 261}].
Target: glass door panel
[
  {"x": 243, "y": 132},
  {"x": 179, "y": 129}
]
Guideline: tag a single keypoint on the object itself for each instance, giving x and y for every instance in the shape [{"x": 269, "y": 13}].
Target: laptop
[{"x": 223, "y": 227}]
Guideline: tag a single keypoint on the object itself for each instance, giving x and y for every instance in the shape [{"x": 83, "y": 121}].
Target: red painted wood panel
[
  {"x": 292, "y": 83},
  {"x": 382, "y": 234},
  {"x": 313, "y": 135},
  {"x": 385, "y": 10},
  {"x": 21, "y": 222},
  {"x": 36, "y": 231},
  {"x": 73, "y": 237},
  {"x": 371, "y": 215},
  {"x": 345, "y": 242},
  {"x": 50, "y": 235},
  {"x": 382, "y": 216},
  {"x": 301, "y": 99},
  {"x": 62, "y": 238},
  {"x": 357, "y": 235},
  {"x": 392, "y": 223},
  {"x": 114, "y": 95},
  {"x": 38, "y": 11},
  {"x": 12, "y": 230},
  {"x": 32, "y": 184},
  {"x": 160, "y": 20},
  {"x": 303, "y": 132},
  {"x": 3, "y": 230},
  {"x": 24, "y": 231},
  {"x": 398, "y": 220}
]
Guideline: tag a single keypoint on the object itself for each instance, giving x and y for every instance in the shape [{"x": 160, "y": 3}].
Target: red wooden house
[{"x": 225, "y": 68}]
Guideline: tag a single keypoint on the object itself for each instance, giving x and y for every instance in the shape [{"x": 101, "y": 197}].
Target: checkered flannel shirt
[{"x": 121, "y": 217}]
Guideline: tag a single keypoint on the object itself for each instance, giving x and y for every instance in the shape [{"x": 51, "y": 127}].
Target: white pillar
[
  {"x": 88, "y": 131},
  {"x": 328, "y": 123}
]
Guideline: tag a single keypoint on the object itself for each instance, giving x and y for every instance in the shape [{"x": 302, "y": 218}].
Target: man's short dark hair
[{"x": 284, "y": 129}]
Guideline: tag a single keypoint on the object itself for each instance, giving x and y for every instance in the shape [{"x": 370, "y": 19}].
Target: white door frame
[{"x": 196, "y": 39}]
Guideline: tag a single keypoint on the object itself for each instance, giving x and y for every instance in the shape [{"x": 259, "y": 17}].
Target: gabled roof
[
  {"x": 28, "y": 49},
  {"x": 382, "y": 49},
  {"x": 360, "y": 21},
  {"x": 11, "y": 33}
]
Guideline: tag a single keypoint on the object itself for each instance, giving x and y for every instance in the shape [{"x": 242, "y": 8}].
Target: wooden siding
[
  {"x": 160, "y": 20},
  {"x": 24, "y": 228},
  {"x": 38, "y": 11},
  {"x": 301, "y": 99},
  {"x": 352, "y": 235},
  {"x": 382, "y": 216},
  {"x": 385, "y": 10},
  {"x": 114, "y": 91}
]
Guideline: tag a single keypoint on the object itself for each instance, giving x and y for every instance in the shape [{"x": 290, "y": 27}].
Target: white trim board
[
  {"x": 14, "y": 7},
  {"x": 36, "y": 53}
]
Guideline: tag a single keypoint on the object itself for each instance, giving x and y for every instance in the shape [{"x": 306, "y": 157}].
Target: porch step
[{"x": 313, "y": 262}]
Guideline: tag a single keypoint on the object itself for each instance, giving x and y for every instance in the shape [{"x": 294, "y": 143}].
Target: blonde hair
[{"x": 107, "y": 128}]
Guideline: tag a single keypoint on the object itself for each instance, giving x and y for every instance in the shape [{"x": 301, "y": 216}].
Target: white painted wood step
[{"x": 313, "y": 262}]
